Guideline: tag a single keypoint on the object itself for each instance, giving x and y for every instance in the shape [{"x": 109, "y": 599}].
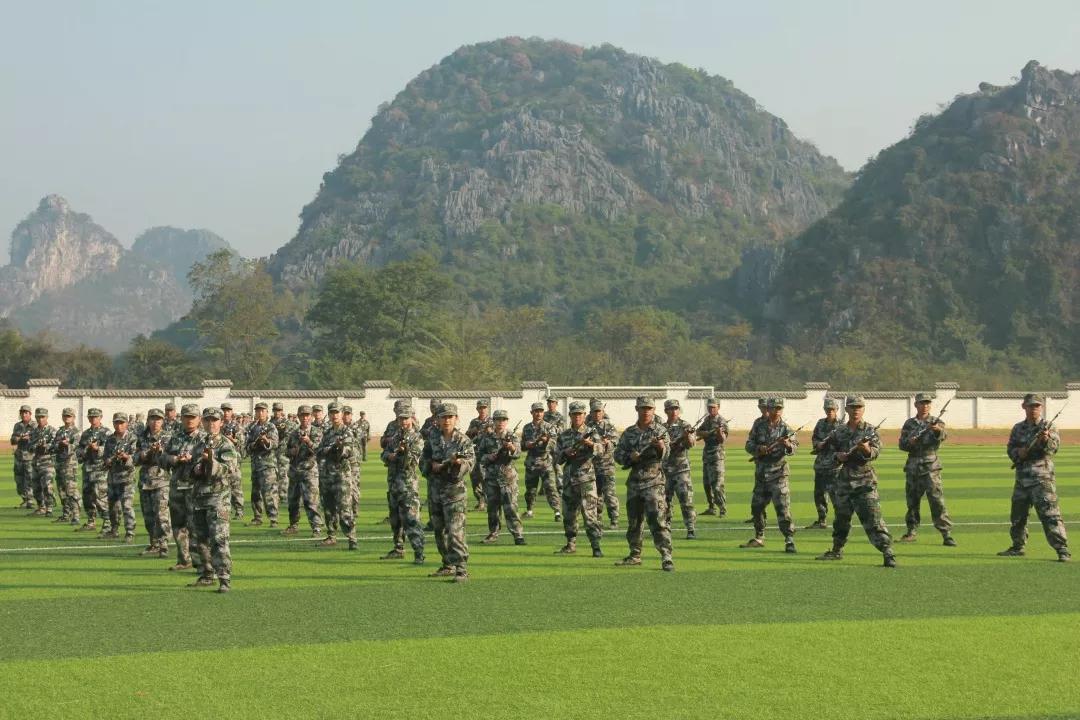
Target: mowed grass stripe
[{"x": 889, "y": 669}]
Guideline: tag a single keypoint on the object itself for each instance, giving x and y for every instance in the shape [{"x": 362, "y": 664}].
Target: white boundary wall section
[{"x": 969, "y": 409}]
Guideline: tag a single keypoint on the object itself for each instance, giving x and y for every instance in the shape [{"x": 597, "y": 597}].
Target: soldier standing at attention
[
  {"x": 575, "y": 449},
  {"x": 1032, "y": 446},
  {"x": 763, "y": 407},
  {"x": 65, "y": 449},
  {"x": 178, "y": 459},
  {"x": 713, "y": 432},
  {"x": 642, "y": 448},
  {"x": 604, "y": 461},
  {"x": 120, "y": 450},
  {"x": 479, "y": 426},
  {"x": 304, "y": 473},
  {"x": 496, "y": 452},
  {"x": 676, "y": 467},
  {"x": 555, "y": 418},
  {"x": 401, "y": 454},
  {"x": 857, "y": 445},
  {"x": 95, "y": 478},
  {"x": 335, "y": 451},
  {"x": 770, "y": 443},
  {"x": 215, "y": 463},
  {"x": 538, "y": 440},
  {"x": 44, "y": 462},
  {"x": 825, "y": 467},
  {"x": 448, "y": 457},
  {"x": 920, "y": 438},
  {"x": 231, "y": 429},
  {"x": 154, "y": 484},
  {"x": 24, "y": 458},
  {"x": 261, "y": 441},
  {"x": 363, "y": 426}
]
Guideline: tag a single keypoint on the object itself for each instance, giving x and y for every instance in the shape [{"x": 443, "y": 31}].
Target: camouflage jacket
[
  {"x": 555, "y": 418},
  {"x": 923, "y": 450},
  {"x": 496, "y": 456},
  {"x": 577, "y": 459},
  {"x": 182, "y": 473},
  {"x": 212, "y": 471},
  {"x": 604, "y": 459},
  {"x": 478, "y": 427},
  {"x": 538, "y": 440},
  {"x": 92, "y": 460},
  {"x": 41, "y": 444},
  {"x": 336, "y": 448},
  {"x": 120, "y": 457},
  {"x": 825, "y": 458},
  {"x": 172, "y": 427},
  {"x": 20, "y": 440},
  {"x": 714, "y": 441},
  {"x": 302, "y": 454},
  {"x": 362, "y": 428},
  {"x": 764, "y": 433},
  {"x": 150, "y": 449},
  {"x": 450, "y": 479},
  {"x": 645, "y": 470},
  {"x": 1039, "y": 464},
  {"x": 234, "y": 433},
  {"x": 262, "y": 444},
  {"x": 284, "y": 428},
  {"x": 682, "y": 439},
  {"x": 65, "y": 448},
  {"x": 858, "y": 469},
  {"x": 403, "y": 471}
]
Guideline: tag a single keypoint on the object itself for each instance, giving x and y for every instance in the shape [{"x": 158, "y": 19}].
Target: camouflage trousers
[
  {"x": 861, "y": 500},
  {"x": 536, "y": 477},
  {"x": 24, "y": 481},
  {"x": 677, "y": 484},
  {"x": 180, "y": 512},
  {"x": 354, "y": 485},
  {"x": 479, "y": 487},
  {"x": 404, "y": 507},
  {"x": 210, "y": 530},
  {"x": 264, "y": 491},
  {"x": 777, "y": 492},
  {"x": 304, "y": 485},
  {"x": 1043, "y": 496},
  {"x": 43, "y": 477},
  {"x": 95, "y": 496},
  {"x": 712, "y": 475},
  {"x": 337, "y": 500},
  {"x": 448, "y": 519},
  {"x": 67, "y": 484},
  {"x": 606, "y": 491},
  {"x": 236, "y": 492},
  {"x": 581, "y": 499},
  {"x": 823, "y": 482},
  {"x": 502, "y": 496},
  {"x": 916, "y": 486},
  {"x": 283, "y": 481},
  {"x": 122, "y": 504},
  {"x": 647, "y": 504},
  {"x": 155, "y": 511}
]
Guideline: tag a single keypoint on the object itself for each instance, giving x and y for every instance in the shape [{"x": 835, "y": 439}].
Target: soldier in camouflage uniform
[
  {"x": 24, "y": 458},
  {"x": 301, "y": 448},
  {"x": 920, "y": 438},
  {"x": 1032, "y": 445},
  {"x": 642, "y": 448},
  {"x": 95, "y": 477},
  {"x": 401, "y": 454},
  {"x": 215, "y": 463},
  {"x": 496, "y": 453},
  {"x": 763, "y": 407},
  {"x": 335, "y": 450},
  {"x": 769, "y": 444},
  {"x": 179, "y": 459},
  {"x": 825, "y": 466},
  {"x": 231, "y": 429},
  {"x": 44, "y": 463},
  {"x": 855, "y": 491},
  {"x": 676, "y": 467},
  {"x": 389, "y": 433},
  {"x": 478, "y": 427},
  {"x": 713, "y": 432},
  {"x": 555, "y": 418},
  {"x": 575, "y": 450},
  {"x": 65, "y": 449},
  {"x": 261, "y": 444},
  {"x": 136, "y": 426},
  {"x": 120, "y": 450},
  {"x": 284, "y": 426},
  {"x": 318, "y": 417},
  {"x": 154, "y": 484},
  {"x": 172, "y": 424},
  {"x": 538, "y": 440},
  {"x": 604, "y": 461},
  {"x": 354, "y": 460},
  {"x": 363, "y": 433},
  {"x": 429, "y": 427},
  {"x": 447, "y": 459}
]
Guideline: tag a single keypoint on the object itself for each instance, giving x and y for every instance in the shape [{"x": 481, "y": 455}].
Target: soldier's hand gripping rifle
[
  {"x": 507, "y": 441},
  {"x": 864, "y": 437},
  {"x": 927, "y": 425},
  {"x": 1039, "y": 439},
  {"x": 771, "y": 447}
]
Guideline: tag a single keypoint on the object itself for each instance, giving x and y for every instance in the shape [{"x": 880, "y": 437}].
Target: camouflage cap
[
  {"x": 333, "y": 407},
  {"x": 155, "y": 413},
  {"x": 67, "y": 412},
  {"x": 190, "y": 410},
  {"x": 595, "y": 404},
  {"x": 854, "y": 401},
  {"x": 170, "y": 406},
  {"x": 577, "y": 408},
  {"x": 403, "y": 410},
  {"x": 447, "y": 410},
  {"x": 316, "y": 408},
  {"x": 400, "y": 404},
  {"x": 346, "y": 409},
  {"x": 303, "y": 410},
  {"x": 775, "y": 403},
  {"x": 211, "y": 413},
  {"x": 672, "y": 404},
  {"x": 644, "y": 401},
  {"x": 712, "y": 402},
  {"x": 500, "y": 415},
  {"x": 762, "y": 402},
  {"x": 41, "y": 412},
  {"x": 93, "y": 412},
  {"x": 552, "y": 399},
  {"x": 832, "y": 404},
  {"x": 536, "y": 406},
  {"x": 923, "y": 397},
  {"x": 434, "y": 404},
  {"x": 361, "y": 412},
  {"x": 119, "y": 417},
  {"x": 261, "y": 406},
  {"x": 276, "y": 407},
  {"x": 225, "y": 406},
  {"x": 1034, "y": 399},
  {"x": 25, "y": 408},
  {"x": 482, "y": 403}
]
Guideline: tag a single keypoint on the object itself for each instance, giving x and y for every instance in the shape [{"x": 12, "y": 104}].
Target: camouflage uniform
[
  {"x": 261, "y": 442},
  {"x": 284, "y": 428},
  {"x": 539, "y": 470},
  {"x": 476, "y": 431},
  {"x": 154, "y": 488},
  {"x": 556, "y": 419},
  {"x": 95, "y": 477},
  {"x": 362, "y": 428},
  {"x": 210, "y": 504},
  {"x": 676, "y": 468},
  {"x": 355, "y": 432},
  {"x": 579, "y": 483},
  {"x": 645, "y": 487},
  {"x": 234, "y": 434},
  {"x": 771, "y": 476},
  {"x": 24, "y": 458},
  {"x": 181, "y": 482},
  {"x": 65, "y": 449},
  {"x": 496, "y": 455},
  {"x": 825, "y": 467},
  {"x": 335, "y": 451},
  {"x": 43, "y": 466},
  {"x": 922, "y": 473},
  {"x": 403, "y": 489},
  {"x": 304, "y": 477},
  {"x": 604, "y": 464},
  {"x": 120, "y": 461},
  {"x": 1035, "y": 486},
  {"x": 447, "y": 500},
  {"x": 713, "y": 431}
]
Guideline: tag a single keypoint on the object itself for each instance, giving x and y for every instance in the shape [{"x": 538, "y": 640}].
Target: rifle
[
  {"x": 684, "y": 438},
  {"x": 862, "y": 438},
  {"x": 926, "y": 425},
  {"x": 771, "y": 447},
  {"x": 1043, "y": 427},
  {"x": 825, "y": 440}
]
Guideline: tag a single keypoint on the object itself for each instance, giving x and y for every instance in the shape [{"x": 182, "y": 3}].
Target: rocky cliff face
[
  {"x": 527, "y": 150},
  {"x": 176, "y": 249}
]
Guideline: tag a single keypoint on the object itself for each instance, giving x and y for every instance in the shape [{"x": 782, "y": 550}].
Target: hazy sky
[{"x": 225, "y": 114}]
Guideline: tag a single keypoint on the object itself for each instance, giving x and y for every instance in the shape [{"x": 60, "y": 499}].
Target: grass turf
[{"x": 89, "y": 627}]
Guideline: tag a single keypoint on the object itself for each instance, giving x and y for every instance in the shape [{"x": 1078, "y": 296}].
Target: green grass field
[{"x": 92, "y": 630}]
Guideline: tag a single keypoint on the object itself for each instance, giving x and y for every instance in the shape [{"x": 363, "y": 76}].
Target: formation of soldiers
[{"x": 186, "y": 467}]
